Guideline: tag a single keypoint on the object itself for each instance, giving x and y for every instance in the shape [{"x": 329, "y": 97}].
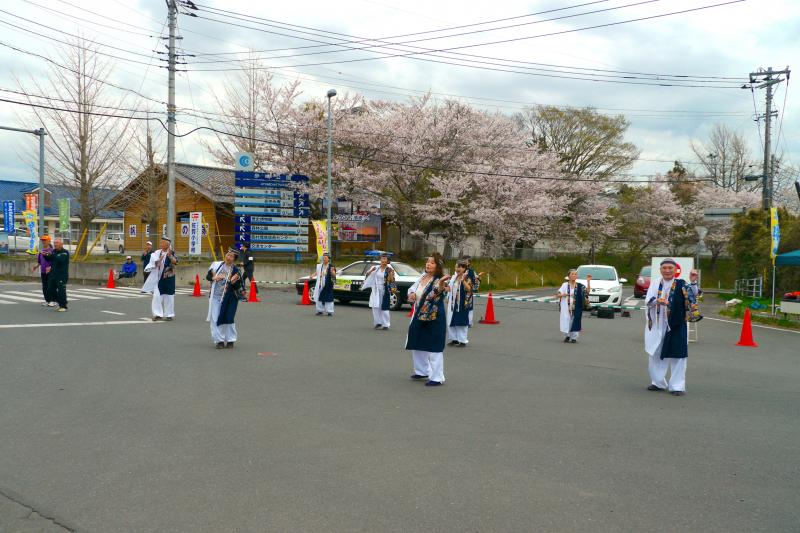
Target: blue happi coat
[
  {"x": 676, "y": 340},
  {"x": 428, "y": 329},
  {"x": 166, "y": 284},
  {"x": 230, "y": 301},
  {"x": 461, "y": 302}
]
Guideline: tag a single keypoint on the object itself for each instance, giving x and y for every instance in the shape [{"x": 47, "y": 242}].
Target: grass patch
[{"x": 758, "y": 316}]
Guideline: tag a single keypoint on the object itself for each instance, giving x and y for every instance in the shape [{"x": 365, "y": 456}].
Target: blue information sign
[
  {"x": 9, "y": 212},
  {"x": 271, "y": 214}
]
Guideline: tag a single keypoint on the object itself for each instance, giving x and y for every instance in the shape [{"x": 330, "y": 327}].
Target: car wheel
[
  {"x": 105, "y": 249},
  {"x": 121, "y": 249},
  {"x": 395, "y": 302}
]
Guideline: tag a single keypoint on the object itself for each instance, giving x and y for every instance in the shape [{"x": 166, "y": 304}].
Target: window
[
  {"x": 403, "y": 269},
  {"x": 356, "y": 269},
  {"x": 598, "y": 273}
]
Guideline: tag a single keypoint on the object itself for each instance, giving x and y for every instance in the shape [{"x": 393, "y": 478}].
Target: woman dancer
[
  {"x": 459, "y": 303},
  {"x": 380, "y": 279},
  {"x": 323, "y": 288},
  {"x": 427, "y": 330},
  {"x": 570, "y": 302}
]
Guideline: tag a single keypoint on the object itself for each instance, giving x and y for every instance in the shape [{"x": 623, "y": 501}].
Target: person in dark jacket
[
  {"x": 59, "y": 275},
  {"x": 248, "y": 269},
  {"x": 148, "y": 251}
]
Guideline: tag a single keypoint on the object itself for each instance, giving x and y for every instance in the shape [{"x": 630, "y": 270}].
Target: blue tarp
[{"x": 788, "y": 259}]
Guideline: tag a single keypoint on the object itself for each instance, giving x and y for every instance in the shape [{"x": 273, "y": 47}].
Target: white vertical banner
[{"x": 195, "y": 232}]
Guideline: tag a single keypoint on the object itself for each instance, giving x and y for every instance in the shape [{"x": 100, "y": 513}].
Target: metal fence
[{"x": 752, "y": 287}]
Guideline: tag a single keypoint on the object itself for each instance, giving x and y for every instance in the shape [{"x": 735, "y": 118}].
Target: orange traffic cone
[
  {"x": 746, "y": 338},
  {"x": 489, "y": 318},
  {"x": 306, "y": 300},
  {"x": 110, "y": 284},
  {"x": 196, "y": 293},
  {"x": 253, "y": 297}
]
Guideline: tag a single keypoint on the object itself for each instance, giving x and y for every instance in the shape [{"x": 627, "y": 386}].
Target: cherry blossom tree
[
  {"x": 646, "y": 217},
  {"x": 719, "y": 231}
]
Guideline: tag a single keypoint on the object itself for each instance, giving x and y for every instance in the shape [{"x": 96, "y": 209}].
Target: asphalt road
[{"x": 118, "y": 424}]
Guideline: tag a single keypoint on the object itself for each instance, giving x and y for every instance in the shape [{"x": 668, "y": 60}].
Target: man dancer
[
  {"x": 666, "y": 341},
  {"x": 59, "y": 275},
  {"x": 161, "y": 282},
  {"x": 224, "y": 300}
]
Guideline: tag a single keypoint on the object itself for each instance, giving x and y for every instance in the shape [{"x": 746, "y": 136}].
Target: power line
[
  {"x": 59, "y": 65},
  {"x": 382, "y": 40},
  {"x": 345, "y": 156},
  {"x": 410, "y": 54}
]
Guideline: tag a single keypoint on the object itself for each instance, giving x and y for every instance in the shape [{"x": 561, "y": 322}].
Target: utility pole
[
  {"x": 173, "y": 23},
  {"x": 767, "y": 79}
]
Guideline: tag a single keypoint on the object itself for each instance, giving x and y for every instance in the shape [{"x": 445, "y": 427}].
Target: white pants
[
  {"x": 470, "y": 317},
  {"x": 379, "y": 316},
  {"x": 572, "y": 334},
  {"x": 223, "y": 333},
  {"x": 326, "y": 307},
  {"x": 658, "y": 373},
  {"x": 429, "y": 364},
  {"x": 458, "y": 333},
  {"x": 163, "y": 305}
]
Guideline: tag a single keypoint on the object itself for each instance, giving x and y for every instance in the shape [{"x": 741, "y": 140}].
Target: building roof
[
  {"x": 16, "y": 190},
  {"x": 217, "y": 184}
]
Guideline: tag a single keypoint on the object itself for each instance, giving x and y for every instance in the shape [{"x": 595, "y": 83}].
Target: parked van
[{"x": 115, "y": 242}]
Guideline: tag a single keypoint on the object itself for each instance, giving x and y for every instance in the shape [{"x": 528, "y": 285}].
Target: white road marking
[
  {"x": 754, "y": 325},
  {"x": 106, "y": 292},
  {"x": 19, "y": 298},
  {"x": 34, "y": 294},
  {"x": 113, "y": 313},
  {"x": 68, "y": 324}
]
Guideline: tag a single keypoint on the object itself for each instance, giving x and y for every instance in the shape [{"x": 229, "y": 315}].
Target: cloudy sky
[{"x": 450, "y": 48}]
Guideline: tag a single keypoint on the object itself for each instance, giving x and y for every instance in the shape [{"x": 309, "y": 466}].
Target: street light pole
[
  {"x": 41, "y": 133},
  {"x": 331, "y": 94}
]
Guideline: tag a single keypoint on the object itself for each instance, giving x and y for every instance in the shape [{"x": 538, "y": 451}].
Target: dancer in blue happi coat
[
  {"x": 459, "y": 304},
  {"x": 670, "y": 305},
  {"x": 323, "y": 288},
  {"x": 427, "y": 331},
  {"x": 381, "y": 282},
  {"x": 223, "y": 299},
  {"x": 571, "y": 298}
]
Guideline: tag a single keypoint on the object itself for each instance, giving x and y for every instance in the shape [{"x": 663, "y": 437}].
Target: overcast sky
[{"x": 726, "y": 41}]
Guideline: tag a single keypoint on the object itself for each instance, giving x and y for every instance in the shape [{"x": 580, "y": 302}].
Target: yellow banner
[
  {"x": 321, "y": 229},
  {"x": 775, "y": 231},
  {"x": 29, "y": 216}
]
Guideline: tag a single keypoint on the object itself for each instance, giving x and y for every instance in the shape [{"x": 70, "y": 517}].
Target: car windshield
[
  {"x": 598, "y": 273},
  {"x": 645, "y": 272},
  {"x": 356, "y": 269},
  {"x": 403, "y": 269}
]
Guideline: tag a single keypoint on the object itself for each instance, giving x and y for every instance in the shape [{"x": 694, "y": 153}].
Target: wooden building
[{"x": 197, "y": 188}]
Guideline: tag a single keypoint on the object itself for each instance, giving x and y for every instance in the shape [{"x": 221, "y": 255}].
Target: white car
[
  {"x": 606, "y": 285},
  {"x": 115, "y": 242}
]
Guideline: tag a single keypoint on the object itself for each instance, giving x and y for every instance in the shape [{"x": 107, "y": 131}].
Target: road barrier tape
[{"x": 550, "y": 299}]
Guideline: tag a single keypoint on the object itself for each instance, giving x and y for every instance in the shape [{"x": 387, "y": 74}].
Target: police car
[{"x": 350, "y": 281}]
